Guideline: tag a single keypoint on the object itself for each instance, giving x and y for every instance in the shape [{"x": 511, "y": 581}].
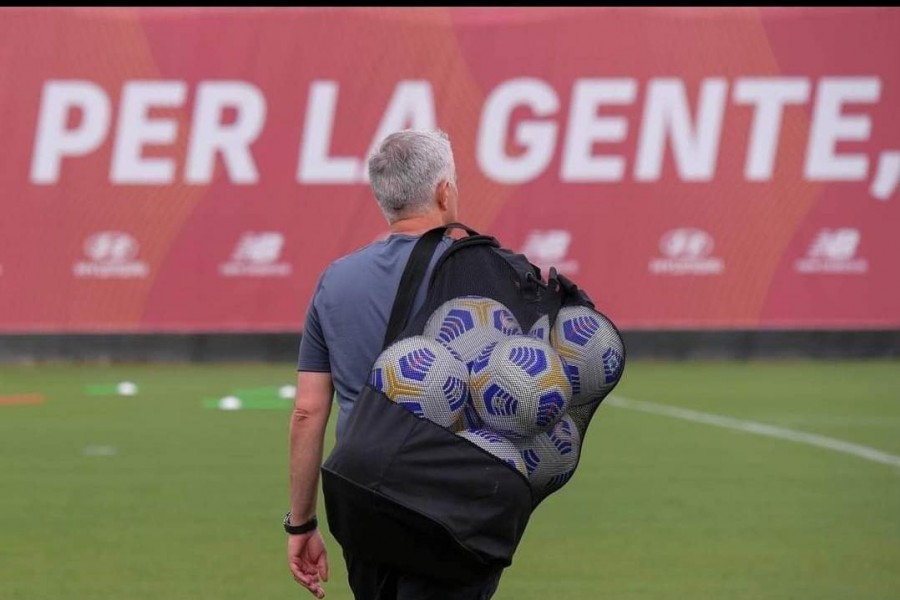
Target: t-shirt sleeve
[{"x": 313, "y": 349}]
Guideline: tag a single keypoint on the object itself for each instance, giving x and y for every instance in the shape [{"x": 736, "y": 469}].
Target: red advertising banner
[{"x": 170, "y": 169}]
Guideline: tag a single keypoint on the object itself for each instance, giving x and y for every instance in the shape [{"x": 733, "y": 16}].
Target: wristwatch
[{"x": 298, "y": 529}]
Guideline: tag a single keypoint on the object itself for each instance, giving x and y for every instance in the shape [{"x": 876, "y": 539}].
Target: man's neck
[{"x": 416, "y": 225}]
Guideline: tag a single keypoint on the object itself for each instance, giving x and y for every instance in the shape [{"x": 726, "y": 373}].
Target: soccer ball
[
  {"x": 592, "y": 350},
  {"x": 519, "y": 386},
  {"x": 468, "y": 417},
  {"x": 423, "y": 376},
  {"x": 126, "y": 388},
  {"x": 497, "y": 445},
  {"x": 469, "y": 323},
  {"x": 551, "y": 457},
  {"x": 541, "y": 329}
]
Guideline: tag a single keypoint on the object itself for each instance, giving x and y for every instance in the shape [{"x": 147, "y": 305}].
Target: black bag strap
[
  {"x": 466, "y": 228},
  {"x": 412, "y": 278},
  {"x": 474, "y": 239}
]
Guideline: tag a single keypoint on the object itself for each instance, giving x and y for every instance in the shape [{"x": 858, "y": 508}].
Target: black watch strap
[{"x": 302, "y": 528}]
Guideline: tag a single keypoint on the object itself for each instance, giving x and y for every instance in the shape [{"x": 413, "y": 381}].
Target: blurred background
[{"x": 723, "y": 182}]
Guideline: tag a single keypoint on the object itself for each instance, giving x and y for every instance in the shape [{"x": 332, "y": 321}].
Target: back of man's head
[{"x": 406, "y": 169}]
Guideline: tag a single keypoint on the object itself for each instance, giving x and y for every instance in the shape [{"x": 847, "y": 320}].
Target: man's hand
[{"x": 309, "y": 561}]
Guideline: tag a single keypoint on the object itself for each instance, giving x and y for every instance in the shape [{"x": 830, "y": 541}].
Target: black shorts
[{"x": 372, "y": 581}]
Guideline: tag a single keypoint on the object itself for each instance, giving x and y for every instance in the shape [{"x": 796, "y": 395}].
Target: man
[{"x": 413, "y": 177}]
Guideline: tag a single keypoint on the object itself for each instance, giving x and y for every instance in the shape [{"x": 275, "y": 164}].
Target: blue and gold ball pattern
[
  {"x": 593, "y": 352},
  {"x": 497, "y": 445},
  {"x": 423, "y": 376},
  {"x": 469, "y": 323},
  {"x": 519, "y": 386},
  {"x": 551, "y": 457}
]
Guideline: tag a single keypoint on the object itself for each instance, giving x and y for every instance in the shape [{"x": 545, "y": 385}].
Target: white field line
[{"x": 759, "y": 428}]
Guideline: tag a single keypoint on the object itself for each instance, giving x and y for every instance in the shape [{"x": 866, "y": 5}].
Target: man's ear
[{"x": 443, "y": 195}]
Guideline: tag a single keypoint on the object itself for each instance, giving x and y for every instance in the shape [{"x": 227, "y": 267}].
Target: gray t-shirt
[{"x": 349, "y": 312}]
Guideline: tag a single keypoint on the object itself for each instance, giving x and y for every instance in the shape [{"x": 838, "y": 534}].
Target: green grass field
[{"x": 158, "y": 497}]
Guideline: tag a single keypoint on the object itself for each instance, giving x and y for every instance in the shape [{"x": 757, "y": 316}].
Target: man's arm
[{"x": 312, "y": 406}]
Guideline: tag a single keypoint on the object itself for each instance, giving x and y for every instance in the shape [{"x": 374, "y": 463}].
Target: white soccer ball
[
  {"x": 551, "y": 457},
  {"x": 468, "y": 416},
  {"x": 497, "y": 445},
  {"x": 126, "y": 388},
  {"x": 592, "y": 350},
  {"x": 469, "y": 323},
  {"x": 519, "y": 386},
  {"x": 230, "y": 403},
  {"x": 425, "y": 377},
  {"x": 541, "y": 329}
]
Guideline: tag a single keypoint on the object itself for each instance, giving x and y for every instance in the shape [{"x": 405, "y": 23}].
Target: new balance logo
[
  {"x": 549, "y": 248},
  {"x": 256, "y": 255},
  {"x": 259, "y": 248},
  {"x": 833, "y": 251}
]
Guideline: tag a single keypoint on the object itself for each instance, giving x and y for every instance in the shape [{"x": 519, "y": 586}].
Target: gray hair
[{"x": 406, "y": 169}]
